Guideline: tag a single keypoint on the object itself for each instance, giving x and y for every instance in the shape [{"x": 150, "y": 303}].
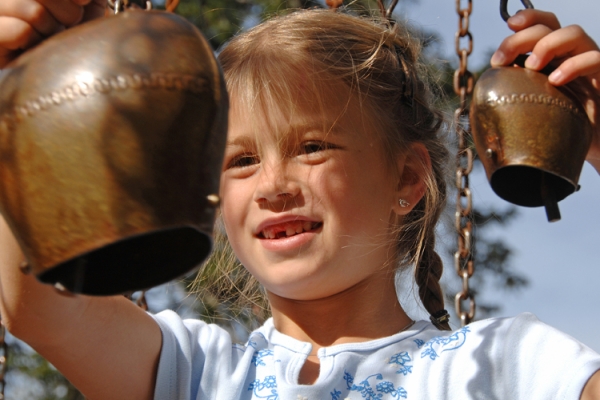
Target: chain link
[
  {"x": 120, "y": 5},
  {"x": 504, "y": 8},
  {"x": 140, "y": 301},
  {"x": 463, "y": 87},
  {"x": 3, "y": 359}
]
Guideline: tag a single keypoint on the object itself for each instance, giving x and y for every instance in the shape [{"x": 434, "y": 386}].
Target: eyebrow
[
  {"x": 241, "y": 141},
  {"x": 295, "y": 130},
  {"x": 303, "y": 128}
]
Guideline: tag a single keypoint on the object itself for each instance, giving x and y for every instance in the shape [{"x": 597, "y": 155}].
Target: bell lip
[
  {"x": 114, "y": 281},
  {"x": 565, "y": 185}
]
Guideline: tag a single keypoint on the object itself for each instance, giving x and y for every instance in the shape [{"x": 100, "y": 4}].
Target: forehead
[{"x": 332, "y": 111}]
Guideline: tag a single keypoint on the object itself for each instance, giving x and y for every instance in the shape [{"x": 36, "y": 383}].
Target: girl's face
[{"x": 308, "y": 210}]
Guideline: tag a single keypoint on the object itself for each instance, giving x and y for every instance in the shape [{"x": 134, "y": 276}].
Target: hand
[
  {"x": 24, "y": 23},
  {"x": 576, "y": 54}
]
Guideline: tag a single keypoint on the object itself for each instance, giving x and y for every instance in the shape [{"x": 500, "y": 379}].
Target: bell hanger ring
[
  {"x": 121, "y": 5},
  {"x": 504, "y": 8}
]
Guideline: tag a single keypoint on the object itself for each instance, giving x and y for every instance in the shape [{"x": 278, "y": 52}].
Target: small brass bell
[
  {"x": 111, "y": 143},
  {"x": 531, "y": 136}
]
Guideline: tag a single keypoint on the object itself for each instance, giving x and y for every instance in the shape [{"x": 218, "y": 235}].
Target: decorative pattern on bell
[
  {"x": 531, "y": 137},
  {"x": 111, "y": 143}
]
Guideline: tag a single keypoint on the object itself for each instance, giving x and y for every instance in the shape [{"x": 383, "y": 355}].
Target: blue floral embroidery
[
  {"x": 434, "y": 347},
  {"x": 402, "y": 359},
  {"x": 257, "y": 358},
  {"x": 348, "y": 378},
  {"x": 368, "y": 392},
  {"x": 259, "y": 388},
  {"x": 419, "y": 342},
  {"x": 257, "y": 340}
]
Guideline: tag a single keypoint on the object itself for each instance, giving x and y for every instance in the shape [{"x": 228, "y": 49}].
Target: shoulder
[
  {"x": 174, "y": 327},
  {"x": 196, "y": 355},
  {"x": 508, "y": 333},
  {"x": 515, "y": 343},
  {"x": 524, "y": 356}
]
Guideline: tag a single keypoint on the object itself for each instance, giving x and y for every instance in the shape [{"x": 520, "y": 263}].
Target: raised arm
[
  {"x": 107, "y": 347},
  {"x": 576, "y": 54}
]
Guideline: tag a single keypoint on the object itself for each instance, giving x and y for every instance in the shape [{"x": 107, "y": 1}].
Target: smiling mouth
[{"x": 288, "y": 229}]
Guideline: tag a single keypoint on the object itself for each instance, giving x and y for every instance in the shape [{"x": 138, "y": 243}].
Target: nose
[{"x": 276, "y": 184}]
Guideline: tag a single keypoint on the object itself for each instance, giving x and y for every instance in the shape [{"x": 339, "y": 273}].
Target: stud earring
[{"x": 403, "y": 203}]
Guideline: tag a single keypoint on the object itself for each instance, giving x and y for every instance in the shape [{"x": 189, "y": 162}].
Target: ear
[{"x": 413, "y": 168}]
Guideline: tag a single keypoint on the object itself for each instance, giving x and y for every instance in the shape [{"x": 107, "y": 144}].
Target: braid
[{"x": 428, "y": 272}]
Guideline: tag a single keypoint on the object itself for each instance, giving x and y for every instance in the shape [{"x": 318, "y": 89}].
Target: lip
[
  {"x": 281, "y": 220},
  {"x": 291, "y": 243}
]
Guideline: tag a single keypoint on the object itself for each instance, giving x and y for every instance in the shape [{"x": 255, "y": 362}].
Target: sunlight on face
[{"x": 307, "y": 199}]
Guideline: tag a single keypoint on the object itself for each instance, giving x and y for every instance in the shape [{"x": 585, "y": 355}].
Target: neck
[{"x": 366, "y": 311}]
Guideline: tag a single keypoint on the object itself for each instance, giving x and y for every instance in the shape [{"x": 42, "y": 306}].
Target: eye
[
  {"x": 314, "y": 146},
  {"x": 243, "y": 160}
]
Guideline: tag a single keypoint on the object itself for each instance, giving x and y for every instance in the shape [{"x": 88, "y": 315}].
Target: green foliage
[
  {"x": 221, "y": 19},
  {"x": 30, "y": 376}
]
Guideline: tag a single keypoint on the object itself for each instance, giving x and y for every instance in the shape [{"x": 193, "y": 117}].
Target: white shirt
[{"x": 508, "y": 358}]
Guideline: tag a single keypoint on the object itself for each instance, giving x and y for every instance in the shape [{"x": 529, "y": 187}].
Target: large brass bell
[
  {"x": 531, "y": 136},
  {"x": 111, "y": 143}
]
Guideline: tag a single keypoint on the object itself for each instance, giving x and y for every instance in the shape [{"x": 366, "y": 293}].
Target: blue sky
[{"x": 560, "y": 259}]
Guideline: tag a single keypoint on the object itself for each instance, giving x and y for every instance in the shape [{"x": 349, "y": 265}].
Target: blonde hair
[{"x": 379, "y": 63}]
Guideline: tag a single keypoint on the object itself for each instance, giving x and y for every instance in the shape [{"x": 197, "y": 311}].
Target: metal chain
[
  {"x": 3, "y": 359},
  {"x": 120, "y": 5},
  {"x": 387, "y": 12},
  {"x": 463, "y": 87},
  {"x": 171, "y": 5},
  {"x": 140, "y": 301}
]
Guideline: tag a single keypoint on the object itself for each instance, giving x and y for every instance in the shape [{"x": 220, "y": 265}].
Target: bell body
[
  {"x": 111, "y": 143},
  {"x": 532, "y": 137}
]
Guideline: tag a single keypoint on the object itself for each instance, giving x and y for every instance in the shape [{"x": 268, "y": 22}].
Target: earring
[{"x": 403, "y": 203}]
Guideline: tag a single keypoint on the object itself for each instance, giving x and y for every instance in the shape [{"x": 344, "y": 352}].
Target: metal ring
[{"x": 504, "y": 8}]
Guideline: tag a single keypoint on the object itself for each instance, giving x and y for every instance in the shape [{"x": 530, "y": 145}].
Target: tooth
[
  {"x": 289, "y": 231},
  {"x": 299, "y": 228},
  {"x": 307, "y": 226}
]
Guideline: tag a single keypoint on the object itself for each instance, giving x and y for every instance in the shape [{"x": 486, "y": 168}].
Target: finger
[
  {"x": 33, "y": 13},
  {"x": 15, "y": 34},
  {"x": 586, "y": 64},
  {"x": 95, "y": 9},
  {"x": 569, "y": 41},
  {"x": 527, "y": 18},
  {"x": 519, "y": 43},
  {"x": 66, "y": 12}
]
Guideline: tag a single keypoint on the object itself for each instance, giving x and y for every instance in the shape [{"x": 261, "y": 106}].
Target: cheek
[{"x": 233, "y": 204}]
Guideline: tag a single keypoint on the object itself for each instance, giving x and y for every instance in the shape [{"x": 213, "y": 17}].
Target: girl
[{"x": 332, "y": 180}]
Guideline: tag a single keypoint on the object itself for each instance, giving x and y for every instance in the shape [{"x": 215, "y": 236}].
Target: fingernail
[
  {"x": 498, "y": 58},
  {"x": 533, "y": 62},
  {"x": 517, "y": 19},
  {"x": 556, "y": 76}
]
